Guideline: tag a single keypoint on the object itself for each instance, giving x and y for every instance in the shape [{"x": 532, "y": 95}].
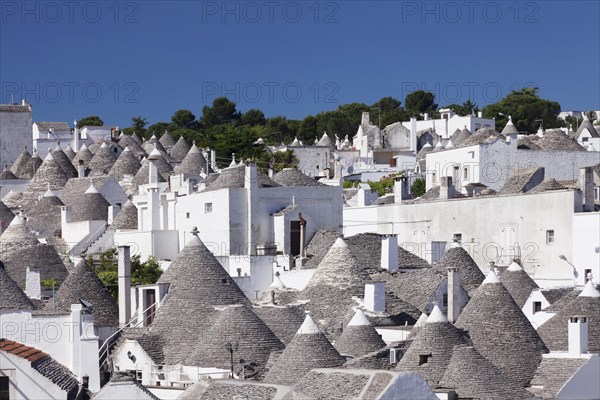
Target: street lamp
[{"x": 231, "y": 347}]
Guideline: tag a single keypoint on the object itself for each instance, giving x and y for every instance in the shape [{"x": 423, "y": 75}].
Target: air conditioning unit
[{"x": 395, "y": 355}]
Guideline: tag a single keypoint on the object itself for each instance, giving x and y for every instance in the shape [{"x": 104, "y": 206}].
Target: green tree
[
  {"x": 418, "y": 187},
  {"x": 138, "y": 125},
  {"x": 92, "y": 120},
  {"x": 253, "y": 117},
  {"x": 157, "y": 129},
  {"x": 391, "y": 111},
  {"x": 464, "y": 109},
  {"x": 420, "y": 102},
  {"x": 182, "y": 119},
  {"x": 284, "y": 159},
  {"x": 223, "y": 111},
  {"x": 142, "y": 273},
  {"x": 526, "y": 109}
]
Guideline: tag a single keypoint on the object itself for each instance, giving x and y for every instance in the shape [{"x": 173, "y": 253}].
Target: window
[
  {"x": 457, "y": 238},
  {"x": 4, "y": 388},
  {"x": 207, "y": 208},
  {"x": 423, "y": 358},
  {"x": 587, "y": 274},
  {"x": 114, "y": 149},
  {"x": 584, "y": 139},
  {"x": 550, "y": 236},
  {"x": 445, "y": 300},
  {"x": 597, "y": 193},
  {"x": 433, "y": 178},
  {"x": 472, "y": 153},
  {"x": 537, "y": 306},
  {"x": 466, "y": 173},
  {"x": 187, "y": 215}
]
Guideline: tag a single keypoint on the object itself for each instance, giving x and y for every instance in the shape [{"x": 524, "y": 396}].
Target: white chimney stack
[
  {"x": 365, "y": 119},
  {"x": 413, "y": 135},
  {"x": 33, "y": 283},
  {"x": 453, "y": 289},
  {"x": 446, "y": 188},
  {"x": 401, "y": 192},
  {"x": 124, "y": 271},
  {"x": 389, "y": 253},
  {"x": 578, "y": 335},
  {"x": 479, "y": 114},
  {"x": 375, "y": 297}
]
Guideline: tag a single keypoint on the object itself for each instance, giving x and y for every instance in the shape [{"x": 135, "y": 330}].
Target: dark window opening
[
  {"x": 537, "y": 306},
  {"x": 445, "y": 300},
  {"x": 225, "y": 281},
  {"x": 587, "y": 274},
  {"x": 423, "y": 358},
  {"x": 4, "y": 388}
]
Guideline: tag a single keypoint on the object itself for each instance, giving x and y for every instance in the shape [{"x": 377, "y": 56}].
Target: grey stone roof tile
[
  {"x": 126, "y": 164},
  {"x": 294, "y": 177},
  {"x": 63, "y": 161},
  {"x": 196, "y": 282},
  {"x": 284, "y": 321},
  {"x": 127, "y": 218},
  {"x": 523, "y": 180},
  {"x": 235, "y": 177},
  {"x": 553, "y": 373},
  {"x": 11, "y": 295},
  {"x": 494, "y": 322},
  {"x": 180, "y": 149},
  {"x": 103, "y": 160},
  {"x": 18, "y": 167},
  {"x": 193, "y": 163},
  {"x": 519, "y": 284},
  {"x": 83, "y": 283},
  {"x": 240, "y": 325},
  {"x": 474, "y": 377},
  {"x": 470, "y": 274}
]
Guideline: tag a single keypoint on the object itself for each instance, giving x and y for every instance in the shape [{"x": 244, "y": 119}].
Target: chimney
[
  {"x": 75, "y": 136},
  {"x": 152, "y": 170},
  {"x": 401, "y": 192},
  {"x": 413, "y": 134},
  {"x": 365, "y": 119},
  {"x": 453, "y": 310},
  {"x": 586, "y": 185},
  {"x": 479, "y": 114},
  {"x": 213, "y": 159},
  {"x": 124, "y": 270},
  {"x": 578, "y": 335},
  {"x": 112, "y": 213},
  {"x": 33, "y": 283},
  {"x": 426, "y": 116},
  {"x": 251, "y": 186},
  {"x": 446, "y": 188},
  {"x": 80, "y": 169},
  {"x": 389, "y": 253},
  {"x": 375, "y": 297}
]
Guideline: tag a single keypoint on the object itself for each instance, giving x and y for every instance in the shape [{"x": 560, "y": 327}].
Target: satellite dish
[{"x": 350, "y": 169}]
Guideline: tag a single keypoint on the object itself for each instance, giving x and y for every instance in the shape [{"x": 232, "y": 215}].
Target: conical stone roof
[
  {"x": 509, "y": 128},
  {"x": 167, "y": 140},
  {"x": 339, "y": 268},
  {"x": 45, "y": 215},
  {"x": 127, "y": 218},
  {"x": 359, "y": 337},
  {"x": 154, "y": 143},
  {"x": 143, "y": 176},
  {"x": 103, "y": 160},
  {"x": 137, "y": 138},
  {"x": 63, "y": 161},
  {"x": 42, "y": 256},
  {"x": 325, "y": 141},
  {"x": 586, "y": 124},
  {"x": 518, "y": 283},
  {"x": 12, "y": 199},
  {"x": 7, "y": 174},
  {"x": 294, "y": 177},
  {"x": 18, "y": 167},
  {"x": 436, "y": 339},
  {"x": 193, "y": 163},
  {"x": 163, "y": 167},
  {"x": 500, "y": 331},
  {"x": 239, "y": 325},
  {"x": 6, "y": 216},
  {"x": 134, "y": 147},
  {"x": 83, "y": 283},
  {"x": 69, "y": 152},
  {"x": 16, "y": 236},
  {"x": 83, "y": 154},
  {"x": 11, "y": 295},
  {"x": 92, "y": 207},
  {"x": 474, "y": 377},
  {"x": 555, "y": 332},
  {"x": 284, "y": 321},
  {"x": 470, "y": 274},
  {"x": 309, "y": 349},
  {"x": 180, "y": 149},
  {"x": 34, "y": 163},
  {"x": 198, "y": 283},
  {"x": 48, "y": 176},
  {"x": 126, "y": 164}
]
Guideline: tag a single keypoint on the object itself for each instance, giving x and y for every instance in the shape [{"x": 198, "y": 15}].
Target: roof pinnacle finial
[{"x": 195, "y": 231}]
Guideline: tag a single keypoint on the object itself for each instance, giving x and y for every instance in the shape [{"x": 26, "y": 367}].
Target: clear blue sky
[{"x": 151, "y": 58}]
